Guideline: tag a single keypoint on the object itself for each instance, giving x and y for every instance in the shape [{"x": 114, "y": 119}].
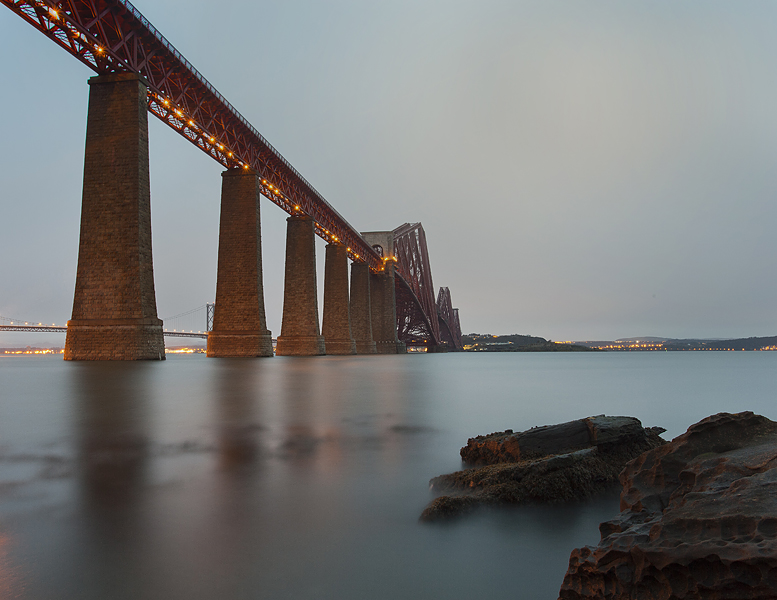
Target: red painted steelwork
[
  {"x": 112, "y": 36},
  {"x": 450, "y": 329},
  {"x": 416, "y": 309},
  {"x": 457, "y": 325}
]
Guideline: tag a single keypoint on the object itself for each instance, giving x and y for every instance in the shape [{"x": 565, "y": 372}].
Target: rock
[
  {"x": 551, "y": 464},
  {"x": 698, "y": 520},
  {"x": 551, "y": 439}
]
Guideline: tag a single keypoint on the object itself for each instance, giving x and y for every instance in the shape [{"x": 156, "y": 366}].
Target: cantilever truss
[
  {"x": 420, "y": 320},
  {"x": 416, "y": 310},
  {"x": 450, "y": 328},
  {"x": 112, "y": 36}
]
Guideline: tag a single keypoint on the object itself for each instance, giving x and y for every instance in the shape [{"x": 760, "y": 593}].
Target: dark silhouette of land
[
  {"x": 485, "y": 342},
  {"x": 668, "y": 344}
]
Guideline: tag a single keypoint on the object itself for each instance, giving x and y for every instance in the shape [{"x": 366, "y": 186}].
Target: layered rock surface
[
  {"x": 549, "y": 464},
  {"x": 698, "y": 520}
]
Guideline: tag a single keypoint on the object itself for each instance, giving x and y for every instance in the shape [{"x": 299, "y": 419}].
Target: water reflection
[
  {"x": 112, "y": 421},
  {"x": 301, "y": 401},
  {"x": 237, "y": 415},
  {"x": 112, "y": 442},
  {"x": 294, "y": 478},
  {"x": 11, "y": 580}
]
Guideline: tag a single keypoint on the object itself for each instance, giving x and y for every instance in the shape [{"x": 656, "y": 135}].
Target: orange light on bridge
[
  {"x": 53, "y": 13},
  {"x": 296, "y": 208}
]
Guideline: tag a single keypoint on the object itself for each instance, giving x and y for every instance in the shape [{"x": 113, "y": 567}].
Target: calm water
[{"x": 304, "y": 478}]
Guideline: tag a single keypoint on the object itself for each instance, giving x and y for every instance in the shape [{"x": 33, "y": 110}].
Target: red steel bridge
[{"x": 112, "y": 36}]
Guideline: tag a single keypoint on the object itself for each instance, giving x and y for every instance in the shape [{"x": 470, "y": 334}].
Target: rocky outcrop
[
  {"x": 550, "y": 464},
  {"x": 537, "y": 442},
  {"x": 698, "y": 520}
]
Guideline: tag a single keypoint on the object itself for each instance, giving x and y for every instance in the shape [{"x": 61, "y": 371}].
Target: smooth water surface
[{"x": 304, "y": 478}]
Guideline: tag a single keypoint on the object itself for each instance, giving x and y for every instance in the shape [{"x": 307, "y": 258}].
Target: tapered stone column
[
  {"x": 239, "y": 324},
  {"x": 114, "y": 306},
  {"x": 361, "y": 318},
  {"x": 300, "y": 334},
  {"x": 336, "y": 326},
  {"x": 383, "y": 306}
]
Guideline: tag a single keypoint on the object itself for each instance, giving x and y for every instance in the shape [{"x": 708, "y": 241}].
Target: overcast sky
[{"x": 583, "y": 170}]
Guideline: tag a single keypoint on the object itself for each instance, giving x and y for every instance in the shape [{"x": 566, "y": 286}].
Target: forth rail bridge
[{"x": 387, "y": 304}]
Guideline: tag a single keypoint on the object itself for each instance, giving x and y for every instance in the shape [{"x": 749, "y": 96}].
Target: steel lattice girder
[
  {"x": 413, "y": 266},
  {"x": 413, "y": 326},
  {"x": 450, "y": 330},
  {"x": 457, "y": 325},
  {"x": 112, "y": 36}
]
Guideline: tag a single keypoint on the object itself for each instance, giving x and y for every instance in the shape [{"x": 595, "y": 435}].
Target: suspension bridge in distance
[
  {"x": 383, "y": 305},
  {"x": 60, "y": 329},
  {"x": 40, "y": 328}
]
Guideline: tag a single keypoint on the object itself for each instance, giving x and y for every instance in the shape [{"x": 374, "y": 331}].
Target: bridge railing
[
  {"x": 113, "y": 36},
  {"x": 199, "y": 76}
]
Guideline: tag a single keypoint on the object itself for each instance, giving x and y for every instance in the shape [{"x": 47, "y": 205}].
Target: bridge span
[
  {"x": 386, "y": 302},
  {"x": 56, "y": 329}
]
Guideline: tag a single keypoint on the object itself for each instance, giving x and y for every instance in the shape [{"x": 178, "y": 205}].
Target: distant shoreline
[{"x": 476, "y": 342}]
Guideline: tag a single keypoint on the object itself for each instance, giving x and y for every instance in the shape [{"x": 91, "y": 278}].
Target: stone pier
[
  {"x": 383, "y": 306},
  {"x": 239, "y": 323},
  {"x": 361, "y": 317},
  {"x": 336, "y": 326},
  {"x": 300, "y": 334},
  {"x": 114, "y": 306}
]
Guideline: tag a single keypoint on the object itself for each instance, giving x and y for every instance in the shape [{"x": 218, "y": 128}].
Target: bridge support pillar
[
  {"x": 300, "y": 334},
  {"x": 361, "y": 318},
  {"x": 336, "y": 326},
  {"x": 114, "y": 305},
  {"x": 239, "y": 323},
  {"x": 383, "y": 306}
]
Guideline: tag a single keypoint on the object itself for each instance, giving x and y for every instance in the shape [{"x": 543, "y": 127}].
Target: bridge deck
[
  {"x": 113, "y": 36},
  {"x": 54, "y": 328}
]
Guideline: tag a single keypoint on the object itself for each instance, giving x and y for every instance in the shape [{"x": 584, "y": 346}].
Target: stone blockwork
[
  {"x": 300, "y": 333},
  {"x": 93, "y": 339},
  {"x": 361, "y": 318},
  {"x": 239, "y": 323},
  {"x": 336, "y": 326},
  {"x": 114, "y": 306},
  {"x": 383, "y": 306}
]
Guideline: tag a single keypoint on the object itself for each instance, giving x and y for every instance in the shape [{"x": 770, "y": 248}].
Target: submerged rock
[
  {"x": 698, "y": 520},
  {"x": 550, "y": 464}
]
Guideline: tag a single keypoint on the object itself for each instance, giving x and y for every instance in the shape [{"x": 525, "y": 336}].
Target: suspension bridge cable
[{"x": 184, "y": 314}]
